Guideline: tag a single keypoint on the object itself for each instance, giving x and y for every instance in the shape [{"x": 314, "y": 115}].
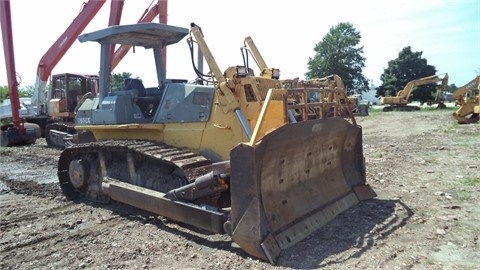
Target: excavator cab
[{"x": 66, "y": 90}]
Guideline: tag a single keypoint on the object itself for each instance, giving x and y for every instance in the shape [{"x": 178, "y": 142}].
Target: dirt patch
[{"x": 422, "y": 165}]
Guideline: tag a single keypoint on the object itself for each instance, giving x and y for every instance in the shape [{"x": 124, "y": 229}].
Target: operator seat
[
  {"x": 131, "y": 84},
  {"x": 147, "y": 104}
]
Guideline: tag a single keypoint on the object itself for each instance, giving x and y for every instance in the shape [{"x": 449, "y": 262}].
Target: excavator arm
[
  {"x": 15, "y": 134},
  {"x": 158, "y": 9},
  {"x": 410, "y": 87},
  {"x": 58, "y": 50},
  {"x": 402, "y": 98},
  {"x": 116, "y": 9},
  {"x": 459, "y": 94}
]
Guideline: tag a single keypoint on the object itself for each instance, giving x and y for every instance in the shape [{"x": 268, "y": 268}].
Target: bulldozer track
[{"x": 165, "y": 162}]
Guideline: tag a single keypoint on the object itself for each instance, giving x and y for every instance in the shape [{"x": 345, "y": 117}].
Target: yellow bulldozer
[
  {"x": 467, "y": 98},
  {"x": 223, "y": 154},
  {"x": 351, "y": 104}
]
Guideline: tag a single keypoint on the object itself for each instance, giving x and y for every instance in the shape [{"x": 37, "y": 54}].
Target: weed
[
  {"x": 377, "y": 155},
  {"x": 471, "y": 181}
]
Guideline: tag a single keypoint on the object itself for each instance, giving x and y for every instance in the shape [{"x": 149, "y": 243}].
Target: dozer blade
[{"x": 294, "y": 181}]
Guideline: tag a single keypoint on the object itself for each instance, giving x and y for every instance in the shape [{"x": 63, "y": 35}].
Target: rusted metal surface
[
  {"x": 286, "y": 188},
  {"x": 155, "y": 202},
  {"x": 142, "y": 163}
]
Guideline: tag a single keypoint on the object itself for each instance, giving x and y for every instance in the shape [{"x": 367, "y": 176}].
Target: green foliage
[
  {"x": 339, "y": 53},
  {"x": 3, "y": 92},
  {"x": 471, "y": 181},
  {"x": 407, "y": 67},
  {"x": 27, "y": 91},
  {"x": 118, "y": 78},
  {"x": 451, "y": 88},
  {"x": 377, "y": 155},
  {"x": 22, "y": 92}
]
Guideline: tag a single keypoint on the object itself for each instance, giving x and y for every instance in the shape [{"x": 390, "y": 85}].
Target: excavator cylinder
[{"x": 294, "y": 181}]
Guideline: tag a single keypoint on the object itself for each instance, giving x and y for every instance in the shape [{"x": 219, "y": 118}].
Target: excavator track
[
  {"x": 468, "y": 119},
  {"x": 152, "y": 165},
  {"x": 64, "y": 127},
  {"x": 401, "y": 108}
]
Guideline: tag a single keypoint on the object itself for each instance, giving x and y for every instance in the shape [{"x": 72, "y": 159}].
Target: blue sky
[{"x": 447, "y": 31}]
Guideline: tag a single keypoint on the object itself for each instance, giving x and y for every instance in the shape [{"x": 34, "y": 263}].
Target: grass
[
  {"x": 377, "y": 155},
  {"x": 471, "y": 181},
  {"x": 463, "y": 195},
  {"x": 434, "y": 108}
]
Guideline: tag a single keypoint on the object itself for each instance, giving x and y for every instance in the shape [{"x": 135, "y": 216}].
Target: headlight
[
  {"x": 275, "y": 73},
  {"x": 242, "y": 71}
]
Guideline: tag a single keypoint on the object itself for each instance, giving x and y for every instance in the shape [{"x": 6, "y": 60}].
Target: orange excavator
[
  {"x": 55, "y": 107},
  {"x": 15, "y": 133},
  {"x": 55, "y": 53}
]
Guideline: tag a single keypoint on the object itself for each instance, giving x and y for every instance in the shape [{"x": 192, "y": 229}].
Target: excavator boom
[
  {"x": 58, "y": 50},
  {"x": 159, "y": 9},
  {"x": 402, "y": 99},
  {"x": 56, "y": 112},
  {"x": 16, "y": 133}
]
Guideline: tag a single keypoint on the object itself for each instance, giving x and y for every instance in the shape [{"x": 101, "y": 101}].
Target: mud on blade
[{"x": 294, "y": 181}]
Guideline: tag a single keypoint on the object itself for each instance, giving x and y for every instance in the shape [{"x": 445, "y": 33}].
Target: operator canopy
[{"x": 146, "y": 35}]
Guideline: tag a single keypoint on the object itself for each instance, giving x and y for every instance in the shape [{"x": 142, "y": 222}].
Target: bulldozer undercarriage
[
  {"x": 151, "y": 165},
  {"x": 268, "y": 197}
]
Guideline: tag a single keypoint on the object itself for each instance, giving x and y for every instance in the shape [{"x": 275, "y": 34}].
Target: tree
[
  {"x": 3, "y": 92},
  {"x": 23, "y": 92},
  {"x": 339, "y": 53},
  {"x": 26, "y": 91},
  {"x": 451, "y": 88},
  {"x": 118, "y": 78},
  {"x": 407, "y": 67}
]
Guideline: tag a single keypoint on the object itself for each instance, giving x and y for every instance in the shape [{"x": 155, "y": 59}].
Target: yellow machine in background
[
  {"x": 468, "y": 99},
  {"x": 224, "y": 154},
  {"x": 351, "y": 103},
  {"x": 299, "y": 94},
  {"x": 401, "y": 101}
]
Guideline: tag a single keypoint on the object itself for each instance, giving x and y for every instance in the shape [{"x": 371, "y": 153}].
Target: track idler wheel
[{"x": 79, "y": 172}]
